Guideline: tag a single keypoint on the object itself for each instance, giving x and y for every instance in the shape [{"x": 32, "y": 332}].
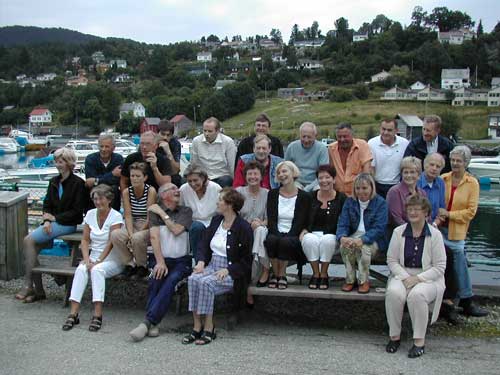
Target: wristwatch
[
  {"x": 96, "y": 181},
  {"x": 166, "y": 217}
]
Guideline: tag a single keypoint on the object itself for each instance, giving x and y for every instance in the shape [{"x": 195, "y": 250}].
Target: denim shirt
[
  {"x": 275, "y": 160},
  {"x": 434, "y": 193}
]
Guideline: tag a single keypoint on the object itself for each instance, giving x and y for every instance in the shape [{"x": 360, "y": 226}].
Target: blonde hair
[
  {"x": 364, "y": 177},
  {"x": 411, "y": 162},
  {"x": 67, "y": 155},
  {"x": 289, "y": 164}
]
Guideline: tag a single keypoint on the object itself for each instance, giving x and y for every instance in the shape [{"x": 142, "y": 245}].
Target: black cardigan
[
  {"x": 418, "y": 148},
  {"x": 300, "y": 217},
  {"x": 335, "y": 207},
  {"x": 68, "y": 210}
]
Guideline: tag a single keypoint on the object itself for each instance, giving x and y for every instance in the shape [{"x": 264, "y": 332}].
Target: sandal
[
  {"x": 95, "y": 324},
  {"x": 416, "y": 351},
  {"x": 71, "y": 321},
  {"x": 282, "y": 283},
  {"x": 324, "y": 283},
  {"x": 261, "y": 284},
  {"x": 34, "y": 297},
  {"x": 192, "y": 337},
  {"x": 25, "y": 292},
  {"x": 392, "y": 346},
  {"x": 273, "y": 282},
  {"x": 313, "y": 282},
  {"x": 206, "y": 337}
]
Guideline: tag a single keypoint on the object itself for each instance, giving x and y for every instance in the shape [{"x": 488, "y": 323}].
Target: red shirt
[{"x": 239, "y": 179}]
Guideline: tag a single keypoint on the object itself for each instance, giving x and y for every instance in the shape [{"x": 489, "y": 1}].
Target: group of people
[{"x": 245, "y": 212}]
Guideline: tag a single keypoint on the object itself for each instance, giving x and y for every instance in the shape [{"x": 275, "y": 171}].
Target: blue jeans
[
  {"x": 161, "y": 291},
  {"x": 460, "y": 268},
  {"x": 39, "y": 235},
  {"x": 195, "y": 233}
]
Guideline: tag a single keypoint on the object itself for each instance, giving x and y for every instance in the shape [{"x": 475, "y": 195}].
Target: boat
[
  {"x": 486, "y": 168},
  {"x": 82, "y": 149},
  {"x": 9, "y": 145},
  {"x": 27, "y": 140},
  {"x": 124, "y": 147}
]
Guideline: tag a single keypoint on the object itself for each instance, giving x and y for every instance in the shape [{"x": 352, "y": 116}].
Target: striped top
[{"x": 139, "y": 206}]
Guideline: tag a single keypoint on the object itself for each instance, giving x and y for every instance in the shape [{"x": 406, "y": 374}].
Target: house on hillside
[
  {"x": 286, "y": 93},
  {"x": 309, "y": 64},
  {"x": 98, "y": 56},
  {"x": 76, "y": 81},
  {"x": 409, "y": 126},
  {"x": 309, "y": 43},
  {"x": 456, "y": 37},
  {"x": 494, "y": 97},
  {"x": 119, "y": 63},
  {"x": 359, "y": 37},
  {"x": 397, "y": 93},
  {"x": 269, "y": 44},
  {"x": 432, "y": 95},
  {"x": 204, "y": 57},
  {"x": 278, "y": 58},
  {"x": 494, "y": 125},
  {"x": 417, "y": 86},
  {"x": 468, "y": 97},
  {"x": 149, "y": 124},
  {"x": 182, "y": 125},
  {"x": 454, "y": 78},
  {"x": 46, "y": 77},
  {"x": 380, "y": 77},
  {"x": 102, "y": 67},
  {"x": 495, "y": 82},
  {"x": 40, "y": 116},
  {"x": 122, "y": 78},
  {"x": 137, "y": 109},
  {"x": 223, "y": 82}
]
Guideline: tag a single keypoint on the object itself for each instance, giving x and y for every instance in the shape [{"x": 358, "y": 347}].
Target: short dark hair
[
  {"x": 140, "y": 166},
  {"x": 419, "y": 200},
  {"x": 389, "y": 120},
  {"x": 326, "y": 168},
  {"x": 166, "y": 126},
  {"x": 344, "y": 125},
  {"x": 263, "y": 118},
  {"x": 232, "y": 198},
  {"x": 253, "y": 164}
]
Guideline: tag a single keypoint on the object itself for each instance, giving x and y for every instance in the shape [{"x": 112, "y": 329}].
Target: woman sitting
[
  {"x": 411, "y": 167},
  {"x": 132, "y": 240},
  {"x": 361, "y": 231},
  {"x": 100, "y": 262},
  {"x": 200, "y": 195},
  {"x": 417, "y": 260},
  {"x": 63, "y": 207},
  {"x": 254, "y": 211},
  {"x": 318, "y": 239},
  {"x": 225, "y": 261},
  {"x": 287, "y": 212}
]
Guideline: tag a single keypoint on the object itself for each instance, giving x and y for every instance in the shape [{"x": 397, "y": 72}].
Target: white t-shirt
[
  {"x": 362, "y": 208},
  {"x": 218, "y": 242},
  {"x": 205, "y": 208},
  {"x": 387, "y": 159},
  {"x": 99, "y": 236},
  {"x": 286, "y": 211}
]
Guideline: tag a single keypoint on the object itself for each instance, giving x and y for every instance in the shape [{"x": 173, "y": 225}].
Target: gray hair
[
  {"x": 309, "y": 124},
  {"x": 67, "y": 155},
  {"x": 104, "y": 137},
  {"x": 463, "y": 152},
  {"x": 261, "y": 137},
  {"x": 344, "y": 125},
  {"x": 411, "y": 162},
  {"x": 103, "y": 190},
  {"x": 436, "y": 155},
  {"x": 196, "y": 169}
]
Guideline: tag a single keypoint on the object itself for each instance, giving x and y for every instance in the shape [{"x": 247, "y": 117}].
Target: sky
[{"x": 169, "y": 21}]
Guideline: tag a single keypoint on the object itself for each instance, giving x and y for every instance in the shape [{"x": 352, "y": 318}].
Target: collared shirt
[
  {"x": 414, "y": 246},
  {"x": 396, "y": 199},
  {"x": 435, "y": 193},
  {"x": 358, "y": 156},
  {"x": 203, "y": 208},
  {"x": 216, "y": 158},
  {"x": 387, "y": 159},
  {"x": 432, "y": 146},
  {"x": 307, "y": 159}
]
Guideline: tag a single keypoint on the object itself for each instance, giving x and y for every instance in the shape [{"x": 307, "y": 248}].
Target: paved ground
[{"x": 32, "y": 341}]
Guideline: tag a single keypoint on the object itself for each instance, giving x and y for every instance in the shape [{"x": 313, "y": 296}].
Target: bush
[
  {"x": 340, "y": 95},
  {"x": 361, "y": 92},
  {"x": 451, "y": 123},
  {"x": 378, "y": 116}
]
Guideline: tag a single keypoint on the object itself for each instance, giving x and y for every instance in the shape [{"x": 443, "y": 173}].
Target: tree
[
  {"x": 215, "y": 105},
  {"x": 342, "y": 27},
  {"x": 380, "y": 24},
  {"x": 361, "y": 92},
  {"x": 340, "y": 95},
  {"x": 296, "y": 35},
  {"x": 276, "y": 36},
  {"x": 128, "y": 124},
  {"x": 213, "y": 38},
  {"x": 315, "y": 32},
  {"x": 418, "y": 17},
  {"x": 480, "y": 28},
  {"x": 292, "y": 59},
  {"x": 445, "y": 20},
  {"x": 451, "y": 123}
]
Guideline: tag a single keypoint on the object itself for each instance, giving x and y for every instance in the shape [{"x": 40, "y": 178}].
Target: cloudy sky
[{"x": 166, "y": 21}]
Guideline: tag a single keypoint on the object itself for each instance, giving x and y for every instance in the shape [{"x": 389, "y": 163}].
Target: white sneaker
[{"x": 138, "y": 333}]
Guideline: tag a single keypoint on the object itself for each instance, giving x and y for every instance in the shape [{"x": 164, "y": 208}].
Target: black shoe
[
  {"x": 140, "y": 273},
  {"x": 127, "y": 272},
  {"x": 449, "y": 313},
  {"x": 471, "y": 309},
  {"x": 416, "y": 351}
]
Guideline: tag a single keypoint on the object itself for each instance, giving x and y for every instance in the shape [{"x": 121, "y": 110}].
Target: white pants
[
  {"x": 98, "y": 276},
  {"x": 418, "y": 298},
  {"x": 319, "y": 247}
]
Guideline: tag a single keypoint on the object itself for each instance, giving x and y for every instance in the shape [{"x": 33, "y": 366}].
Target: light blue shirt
[
  {"x": 435, "y": 193},
  {"x": 307, "y": 159}
]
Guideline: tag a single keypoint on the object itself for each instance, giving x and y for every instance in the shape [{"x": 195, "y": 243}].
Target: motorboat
[
  {"x": 27, "y": 140},
  {"x": 486, "y": 168},
  {"x": 124, "y": 147},
  {"x": 82, "y": 149},
  {"x": 9, "y": 145}
]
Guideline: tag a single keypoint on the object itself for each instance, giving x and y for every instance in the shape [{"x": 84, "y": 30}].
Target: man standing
[
  {"x": 262, "y": 126},
  {"x": 104, "y": 167},
  {"x": 158, "y": 168},
  {"x": 169, "y": 225},
  {"x": 262, "y": 154},
  {"x": 215, "y": 153},
  {"x": 388, "y": 150},
  {"x": 431, "y": 141},
  {"x": 349, "y": 156},
  {"x": 170, "y": 147},
  {"x": 307, "y": 154}
]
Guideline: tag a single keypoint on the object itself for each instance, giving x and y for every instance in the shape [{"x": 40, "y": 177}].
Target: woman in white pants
[
  {"x": 417, "y": 260},
  {"x": 318, "y": 239},
  {"x": 100, "y": 263}
]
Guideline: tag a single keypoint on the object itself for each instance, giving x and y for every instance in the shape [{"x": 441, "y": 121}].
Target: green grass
[{"x": 287, "y": 115}]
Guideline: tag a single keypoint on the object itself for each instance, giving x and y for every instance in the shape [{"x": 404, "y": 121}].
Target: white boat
[
  {"x": 82, "y": 149},
  {"x": 34, "y": 174},
  {"x": 124, "y": 147},
  {"x": 28, "y": 141},
  {"x": 9, "y": 145},
  {"x": 486, "y": 168}
]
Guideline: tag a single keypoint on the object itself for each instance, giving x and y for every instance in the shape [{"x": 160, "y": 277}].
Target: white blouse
[
  {"x": 218, "y": 242},
  {"x": 205, "y": 208},
  {"x": 286, "y": 211},
  {"x": 362, "y": 208},
  {"x": 99, "y": 237}
]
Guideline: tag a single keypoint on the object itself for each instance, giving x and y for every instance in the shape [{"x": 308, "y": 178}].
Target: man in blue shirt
[{"x": 432, "y": 184}]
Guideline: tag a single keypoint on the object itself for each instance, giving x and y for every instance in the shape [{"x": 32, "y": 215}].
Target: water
[{"x": 483, "y": 241}]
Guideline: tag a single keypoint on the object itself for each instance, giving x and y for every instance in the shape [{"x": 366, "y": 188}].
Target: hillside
[{"x": 28, "y": 35}]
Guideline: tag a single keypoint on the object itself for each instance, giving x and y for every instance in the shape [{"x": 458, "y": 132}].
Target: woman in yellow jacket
[{"x": 461, "y": 200}]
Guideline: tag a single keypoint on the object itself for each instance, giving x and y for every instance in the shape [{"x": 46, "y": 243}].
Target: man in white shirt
[
  {"x": 388, "y": 150},
  {"x": 215, "y": 153}
]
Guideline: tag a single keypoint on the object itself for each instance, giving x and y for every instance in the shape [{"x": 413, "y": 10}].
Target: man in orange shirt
[{"x": 349, "y": 156}]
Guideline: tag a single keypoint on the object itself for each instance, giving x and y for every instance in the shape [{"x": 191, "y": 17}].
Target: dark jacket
[
  {"x": 418, "y": 148},
  {"x": 334, "y": 210},
  {"x": 95, "y": 168},
  {"x": 300, "y": 217},
  {"x": 69, "y": 209},
  {"x": 246, "y": 147},
  {"x": 375, "y": 219}
]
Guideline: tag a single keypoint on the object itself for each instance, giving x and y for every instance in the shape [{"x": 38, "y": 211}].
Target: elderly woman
[
  {"x": 361, "y": 231},
  {"x": 417, "y": 260},
  {"x": 63, "y": 207},
  {"x": 254, "y": 211},
  {"x": 287, "y": 214},
  {"x": 411, "y": 167},
  {"x": 433, "y": 185},
  {"x": 201, "y": 196},
  {"x": 98, "y": 260},
  {"x": 318, "y": 239},
  {"x": 135, "y": 233},
  {"x": 225, "y": 261},
  {"x": 461, "y": 200}
]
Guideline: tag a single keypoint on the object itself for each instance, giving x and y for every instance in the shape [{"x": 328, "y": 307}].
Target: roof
[
  {"x": 179, "y": 118},
  {"x": 455, "y": 73},
  {"x": 411, "y": 120},
  {"x": 224, "y": 82},
  {"x": 39, "y": 111},
  {"x": 127, "y": 107},
  {"x": 152, "y": 120},
  {"x": 495, "y": 81}
]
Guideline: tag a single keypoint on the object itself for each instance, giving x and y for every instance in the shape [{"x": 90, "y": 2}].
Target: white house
[
  {"x": 430, "y": 94},
  {"x": 455, "y": 78},
  {"x": 137, "y": 109},
  {"x": 310, "y": 43},
  {"x": 40, "y": 116},
  {"x": 468, "y": 97},
  {"x": 223, "y": 82},
  {"x": 98, "y": 56},
  {"x": 494, "y": 97},
  {"x": 409, "y": 126},
  {"x": 359, "y": 37},
  {"x": 417, "y": 86},
  {"x": 121, "y": 78},
  {"x": 382, "y": 76},
  {"x": 495, "y": 82},
  {"x": 456, "y": 37},
  {"x": 397, "y": 93},
  {"x": 76, "y": 81},
  {"x": 46, "y": 76},
  {"x": 119, "y": 63},
  {"x": 494, "y": 125},
  {"x": 277, "y": 58},
  {"x": 309, "y": 64},
  {"x": 204, "y": 56}
]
